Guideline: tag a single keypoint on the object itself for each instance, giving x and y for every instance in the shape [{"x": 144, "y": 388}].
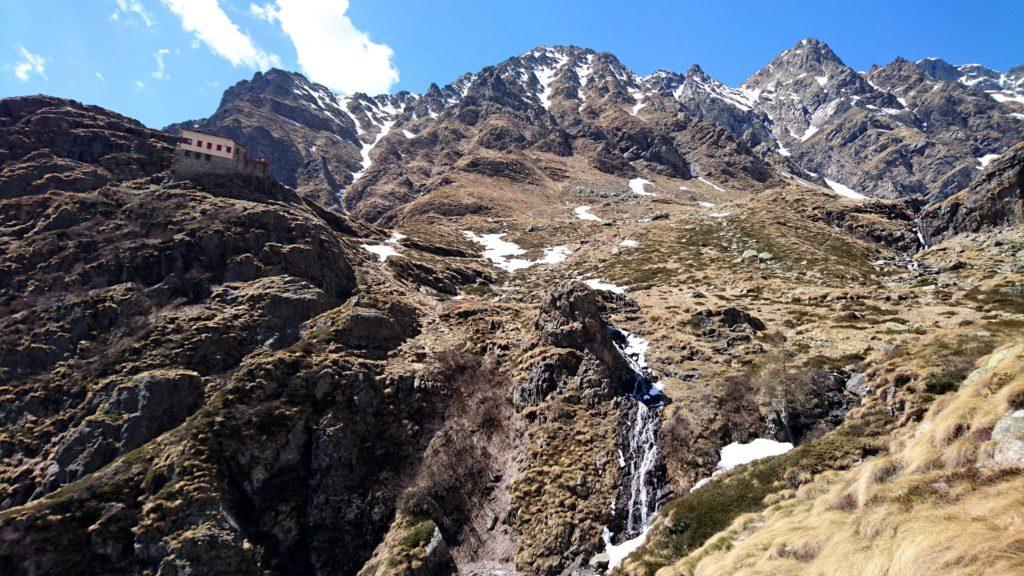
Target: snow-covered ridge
[
  {"x": 1001, "y": 86},
  {"x": 697, "y": 81}
]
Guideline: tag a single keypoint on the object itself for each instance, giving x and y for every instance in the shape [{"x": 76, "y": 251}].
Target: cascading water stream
[
  {"x": 643, "y": 453},
  {"x": 642, "y": 457},
  {"x": 920, "y": 234}
]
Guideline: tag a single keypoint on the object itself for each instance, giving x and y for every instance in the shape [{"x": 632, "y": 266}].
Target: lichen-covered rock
[
  {"x": 135, "y": 412},
  {"x": 1008, "y": 436}
]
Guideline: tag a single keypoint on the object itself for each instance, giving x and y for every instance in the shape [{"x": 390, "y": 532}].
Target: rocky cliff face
[
  {"x": 994, "y": 199},
  {"x": 1004, "y": 87},
  {"x": 132, "y": 308}
]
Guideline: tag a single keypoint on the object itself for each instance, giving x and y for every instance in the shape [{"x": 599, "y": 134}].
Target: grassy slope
[{"x": 892, "y": 513}]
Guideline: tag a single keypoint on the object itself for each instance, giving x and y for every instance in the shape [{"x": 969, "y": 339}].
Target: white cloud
[
  {"x": 129, "y": 7},
  {"x": 30, "y": 64},
  {"x": 161, "y": 69},
  {"x": 330, "y": 49},
  {"x": 139, "y": 86},
  {"x": 211, "y": 25},
  {"x": 265, "y": 12},
  {"x": 100, "y": 77}
]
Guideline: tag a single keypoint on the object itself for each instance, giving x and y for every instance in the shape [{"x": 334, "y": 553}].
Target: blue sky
[{"x": 167, "y": 60}]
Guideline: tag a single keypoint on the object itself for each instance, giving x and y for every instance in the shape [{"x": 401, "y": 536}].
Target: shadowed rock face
[
  {"x": 185, "y": 368},
  {"x": 994, "y": 199},
  {"x": 101, "y": 285}
]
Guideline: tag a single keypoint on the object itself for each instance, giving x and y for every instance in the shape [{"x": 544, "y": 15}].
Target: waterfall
[
  {"x": 643, "y": 453},
  {"x": 641, "y": 460},
  {"x": 920, "y": 235}
]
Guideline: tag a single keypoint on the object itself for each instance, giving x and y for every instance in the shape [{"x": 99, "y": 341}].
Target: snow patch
[
  {"x": 383, "y": 251},
  {"x": 618, "y": 552},
  {"x": 712, "y": 184},
  {"x": 584, "y": 213},
  {"x": 500, "y": 252},
  {"x": 844, "y": 191},
  {"x": 640, "y": 98},
  {"x": 986, "y": 159},
  {"x": 811, "y": 131},
  {"x": 700, "y": 483},
  {"x": 736, "y": 453},
  {"x": 546, "y": 76},
  {"x": 705, "y": 204},
  {"x": 554, "y": 255},
  {"x": 1007, "y": 97},
  {"x": 367, "y": 148},
  {"x": 637, "y": 186},
  {"x": 629, "y": 243},
  {"x": 408, "y": 134},
  {"x": 595, "y": 284}
]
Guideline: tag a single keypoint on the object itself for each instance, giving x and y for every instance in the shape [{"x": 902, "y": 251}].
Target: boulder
[
  {"x": 1008, "y": 436},
  {"x": 599, "y": 562},
  {"x": 857, "y": 384}
]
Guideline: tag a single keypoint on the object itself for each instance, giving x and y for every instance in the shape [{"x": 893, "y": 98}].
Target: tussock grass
[{"x": 934, "y": 505}]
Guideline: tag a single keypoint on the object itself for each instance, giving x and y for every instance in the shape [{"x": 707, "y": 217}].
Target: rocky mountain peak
[
  {"x": 809, "y": 68},
  {"x": 696, "y": 71},
  {"x": 1003, "y": 87},
  {"x": 662, "y": 81},
  {"x": 939, "y": 69},
  {"x": 809, "y": 55},
  {"x": 808, "y": 86},
  {"x": 275, "y": 82},
  {"x": 554, "y": 95},
  {"x": 899, "y": 77},
  {"x": 698, "y": 85}
]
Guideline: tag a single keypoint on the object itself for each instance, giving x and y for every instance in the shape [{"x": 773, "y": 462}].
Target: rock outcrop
[
  {"x": 994, "y": 199},
  {"x": 49, "y": 143}
]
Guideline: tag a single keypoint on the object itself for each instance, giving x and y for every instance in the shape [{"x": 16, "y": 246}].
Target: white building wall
[{"x": 208, "y": 144}]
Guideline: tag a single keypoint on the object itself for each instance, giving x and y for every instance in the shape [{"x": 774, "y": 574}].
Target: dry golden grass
[{"x": 933, "y": 506}]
